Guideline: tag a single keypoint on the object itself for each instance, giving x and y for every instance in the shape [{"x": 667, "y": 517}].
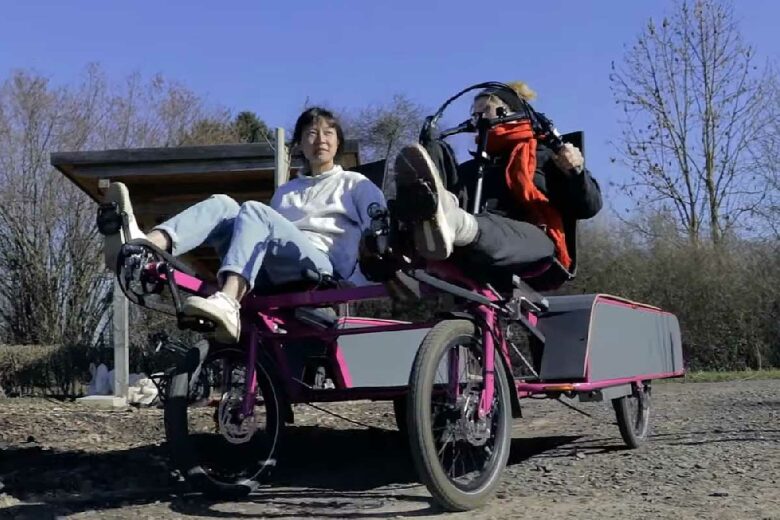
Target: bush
[
  {"x": 43, "y": 369},
  {"x": 726, "y": 297}
]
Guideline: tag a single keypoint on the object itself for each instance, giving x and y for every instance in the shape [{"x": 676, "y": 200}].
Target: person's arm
[
  {"x": 579, "y": 190},
  {"x": 583, "y": 195},
  {"x": 365, "y": 193}
]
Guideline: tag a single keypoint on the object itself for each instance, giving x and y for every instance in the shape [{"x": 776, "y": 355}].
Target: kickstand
[{"x": 334, "y": 414}]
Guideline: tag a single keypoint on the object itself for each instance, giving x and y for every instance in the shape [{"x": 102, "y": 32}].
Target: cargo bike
[{"x": 456, "y": 380}]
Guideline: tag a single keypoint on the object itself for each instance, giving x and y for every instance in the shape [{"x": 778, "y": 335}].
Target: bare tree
[
  {"x": 694, "y": 103},
  {"x": 44, "y": 238},
  {"x": 382, "y": 129},
  {"x": 52, "y": 286},
  {"x": 769, "y": 158}
]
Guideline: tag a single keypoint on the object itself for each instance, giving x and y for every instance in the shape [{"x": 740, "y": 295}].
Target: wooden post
[
  {"x": 121, "y": 331},
  {"x": 121, "y": 342},
  {"x": 281, "y": 164}
]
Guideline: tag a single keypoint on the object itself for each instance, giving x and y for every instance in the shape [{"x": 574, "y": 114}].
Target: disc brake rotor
[
  {"x": 467, "y": 426},
  {"x": 235, "y": 429}
]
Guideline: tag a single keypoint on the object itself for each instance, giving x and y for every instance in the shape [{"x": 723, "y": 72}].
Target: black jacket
[{"x": 577, "y": 197}]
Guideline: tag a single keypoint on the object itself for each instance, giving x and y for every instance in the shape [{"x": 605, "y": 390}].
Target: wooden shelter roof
[{"x": 164, "y": 181}]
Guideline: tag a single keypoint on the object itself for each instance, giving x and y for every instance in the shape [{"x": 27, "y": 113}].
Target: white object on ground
[{"x": 140, "y": 389}]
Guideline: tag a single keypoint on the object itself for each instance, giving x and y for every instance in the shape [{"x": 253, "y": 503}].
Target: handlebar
[
  {"x": 466, "y": 126},
  {"x": 481, "y": 126},
  {"x": 540, "y": 122}
]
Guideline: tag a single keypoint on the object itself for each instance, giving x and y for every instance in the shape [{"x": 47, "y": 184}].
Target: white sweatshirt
[{"x": 331, "y": 210}]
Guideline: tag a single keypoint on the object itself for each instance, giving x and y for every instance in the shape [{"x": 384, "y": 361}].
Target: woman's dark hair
[{"x": 311, "y": 116}]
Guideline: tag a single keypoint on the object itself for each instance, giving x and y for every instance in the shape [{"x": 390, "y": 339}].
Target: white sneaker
[
  {"x": 118, "y": 194},
  {"x": 449, "y": 226},
  {"x": 220, "y": 308}
]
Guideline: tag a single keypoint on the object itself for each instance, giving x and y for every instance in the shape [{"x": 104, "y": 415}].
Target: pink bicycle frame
[{"x": 261, "y": 321}]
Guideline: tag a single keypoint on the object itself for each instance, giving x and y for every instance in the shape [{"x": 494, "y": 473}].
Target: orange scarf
[{"x": 520, "y": 180}]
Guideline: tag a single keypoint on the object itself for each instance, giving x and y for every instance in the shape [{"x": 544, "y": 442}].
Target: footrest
[{"x": 108, "y": 220}]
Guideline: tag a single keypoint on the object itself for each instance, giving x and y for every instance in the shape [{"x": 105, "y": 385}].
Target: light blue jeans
[{"x": 252, "y": 239}]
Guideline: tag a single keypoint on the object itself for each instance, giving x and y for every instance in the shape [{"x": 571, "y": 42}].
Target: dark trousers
[{"x": 503, "y": 247}]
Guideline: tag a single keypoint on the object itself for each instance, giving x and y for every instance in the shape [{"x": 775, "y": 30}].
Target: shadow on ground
[{"x": 323, "y": 471}]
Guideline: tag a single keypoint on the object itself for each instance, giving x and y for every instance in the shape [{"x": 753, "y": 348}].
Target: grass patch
[{"x": 716, "y": 377}]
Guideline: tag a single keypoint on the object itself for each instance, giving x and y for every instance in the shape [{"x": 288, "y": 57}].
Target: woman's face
[
  {"x": 488, "y": 107},
  {"x": 319, "y": 144}
]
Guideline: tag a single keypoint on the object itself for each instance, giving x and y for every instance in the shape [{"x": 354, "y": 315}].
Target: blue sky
[{"x": 271, "y": 56}]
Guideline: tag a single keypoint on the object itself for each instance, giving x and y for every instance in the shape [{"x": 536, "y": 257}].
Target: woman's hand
[{"x": 569, "y": 158}]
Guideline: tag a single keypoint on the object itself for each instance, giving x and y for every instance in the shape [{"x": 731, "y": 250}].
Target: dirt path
[{"x": 714, "y": 453}]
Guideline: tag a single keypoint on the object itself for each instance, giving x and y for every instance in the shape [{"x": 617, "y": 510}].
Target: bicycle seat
[{"x": 311, "y": 280}]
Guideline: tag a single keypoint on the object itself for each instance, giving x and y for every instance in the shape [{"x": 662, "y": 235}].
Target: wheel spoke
[
  {"x": 444, "y": 446},
  {"x": 473, "y": 460}
]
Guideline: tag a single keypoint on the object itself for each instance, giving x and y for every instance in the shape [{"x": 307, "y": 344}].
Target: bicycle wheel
[
  {"x": 633, "y": 416},
  {"x": 458, "y": 456},
  {"x": 220, "y": 452}
]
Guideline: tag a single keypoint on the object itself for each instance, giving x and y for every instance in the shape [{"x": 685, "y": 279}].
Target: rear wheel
[
  {"x": 219, "y": 451},
  {"x": 633, "y": 415},
  {"x": 458, "y": 456}
]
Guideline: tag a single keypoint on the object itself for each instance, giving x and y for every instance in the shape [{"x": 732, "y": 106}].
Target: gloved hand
[
  {"x": 371, "y": 258},
  {"x": 569, "y": 158}
]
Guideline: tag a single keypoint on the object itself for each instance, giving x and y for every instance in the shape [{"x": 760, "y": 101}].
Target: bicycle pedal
[{"x": 196, "y": 324}]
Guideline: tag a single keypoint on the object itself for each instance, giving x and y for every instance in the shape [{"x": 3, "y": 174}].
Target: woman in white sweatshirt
[{"x": 314, "y": 221}]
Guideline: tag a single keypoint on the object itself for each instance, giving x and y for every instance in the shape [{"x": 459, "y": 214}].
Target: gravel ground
[{"x": 714, "y": 453}]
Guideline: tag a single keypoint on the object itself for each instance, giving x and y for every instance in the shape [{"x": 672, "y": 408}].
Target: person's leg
[
  {"x": 260, "y": 234},
  {"x": 117, "y": 194},
  {"x": 262, "y": 239},
  {"x": 449, "y": 226},
  {"x": 503, "y": 247},
  {"x": 209, "y": 221}
]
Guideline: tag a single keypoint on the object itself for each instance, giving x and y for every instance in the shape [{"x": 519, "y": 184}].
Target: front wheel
[
  {"x": 218, "y": 450},
  {"x": 458, "y": 456},
  {"x": 633, "y": 415}
]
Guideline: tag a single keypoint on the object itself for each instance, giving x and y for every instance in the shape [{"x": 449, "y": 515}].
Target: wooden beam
[
  {"x": 154, "y": 170},
  {"x": 135, "y": 156}
]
